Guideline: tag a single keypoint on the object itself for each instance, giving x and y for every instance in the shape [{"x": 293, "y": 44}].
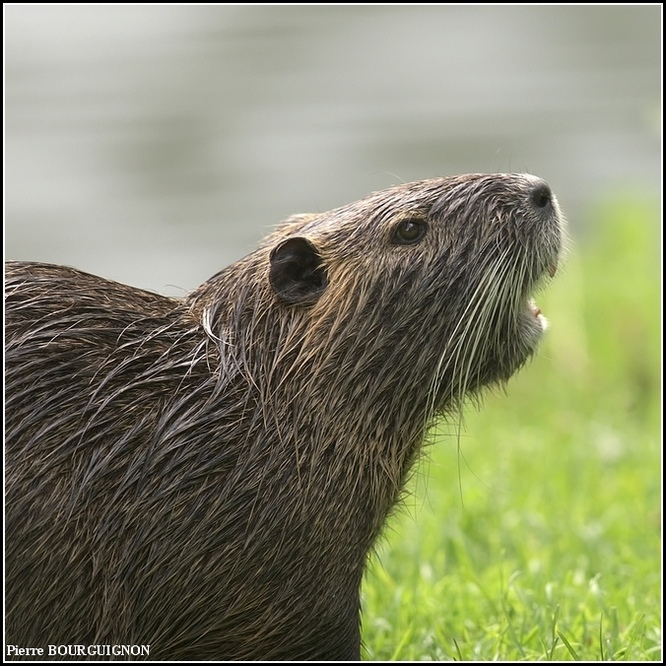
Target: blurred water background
[{"x": 156, "y": 144}]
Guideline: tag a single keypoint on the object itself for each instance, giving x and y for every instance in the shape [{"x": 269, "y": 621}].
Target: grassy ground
[{"x": 539, "y": 538}]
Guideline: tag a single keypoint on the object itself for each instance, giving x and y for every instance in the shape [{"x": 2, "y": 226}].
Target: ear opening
[{"x": 297, "y": 273}]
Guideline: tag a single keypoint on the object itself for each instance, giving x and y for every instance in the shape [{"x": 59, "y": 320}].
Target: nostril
[{"x": 540, "y": 195}]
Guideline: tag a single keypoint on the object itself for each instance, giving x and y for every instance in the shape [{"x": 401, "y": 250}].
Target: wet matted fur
[{"x": 208, "y": 475}]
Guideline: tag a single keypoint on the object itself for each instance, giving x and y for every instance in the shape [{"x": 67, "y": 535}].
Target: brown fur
[{"x": 207, "y": 476}]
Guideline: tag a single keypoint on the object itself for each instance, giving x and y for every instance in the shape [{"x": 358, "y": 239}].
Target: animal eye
[{"x": 409, "y": 231}]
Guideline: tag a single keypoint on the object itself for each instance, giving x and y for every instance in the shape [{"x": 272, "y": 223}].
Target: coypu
[{"x": 207, "y": 475}]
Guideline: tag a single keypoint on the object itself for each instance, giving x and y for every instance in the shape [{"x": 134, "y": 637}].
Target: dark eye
[{"x": 409, "y": 231}]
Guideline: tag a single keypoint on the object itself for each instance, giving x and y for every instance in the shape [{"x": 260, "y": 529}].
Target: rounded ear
[{"x": 298, "y": 275}]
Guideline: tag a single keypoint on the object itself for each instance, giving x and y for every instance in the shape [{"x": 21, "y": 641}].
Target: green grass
[{"x": 537, "y": 534}]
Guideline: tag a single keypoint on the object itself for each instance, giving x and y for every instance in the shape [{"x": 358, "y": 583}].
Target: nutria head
[
  {"x": 399, "y": 304},
  {"x": 207, "y": 476}
]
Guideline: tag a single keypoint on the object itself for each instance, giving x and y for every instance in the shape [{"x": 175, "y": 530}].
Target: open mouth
[{"x": 534, "y": 308}]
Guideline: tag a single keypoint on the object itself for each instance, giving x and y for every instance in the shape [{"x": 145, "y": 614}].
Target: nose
[{"x": 540, "y": 195}]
